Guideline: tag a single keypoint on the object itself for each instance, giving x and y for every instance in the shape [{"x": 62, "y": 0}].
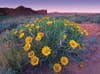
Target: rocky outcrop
[{"x": 21, "y": 10}]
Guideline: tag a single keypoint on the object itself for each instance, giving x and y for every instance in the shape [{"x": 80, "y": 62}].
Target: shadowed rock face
[{"x": 21, "y": 10}]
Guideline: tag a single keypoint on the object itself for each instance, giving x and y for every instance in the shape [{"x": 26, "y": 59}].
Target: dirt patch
[{"x": 93, "y": 29}]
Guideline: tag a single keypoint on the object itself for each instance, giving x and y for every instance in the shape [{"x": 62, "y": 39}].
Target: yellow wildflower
[
  {"x": 82, "y": 32},
  {"x": 64, "y": 60},
  {"x": 65, "y": 24},
  {"x": 73, "y": 44},
  {"x": 27, "y": 47},
  {"x": 57, "y": 67},
  {"x": 46, "y": 51},
  {"x": 79, "y": 46},
  {"x": 37, "y": 27},
  {"x": 27, "y": 25},
  {"x": 85, "y": 32},
  {"x": 21, "y": 35},
  {"x": 30, "y": 30},
  {"x": 32, "y": 25},
  {"x": 31, "y": 54},
  {"x": 28, "y": 39},
  {"x": 34, "y": 61},
  {"x": 41, "y": 34},
  {"x": 65, "y": 36},
  {"x": 49, "y": 22},
  {"x": 78, "y": 27},
  {"x": 38, "y": 38},
  {"x": 45, "y": 17}
]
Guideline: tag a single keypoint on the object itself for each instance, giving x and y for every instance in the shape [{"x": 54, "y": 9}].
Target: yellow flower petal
[
  {"x": 64, "y": 60},
  {"x": 34, "y": 61},
  {"x": 41, "y": 34},
  {"x": 21, "y": 35},
  {"x": 38, "y": 38},
  {"x": 73, "y": 44},
  {"x": 28, "y": 39},
  {"x": 57, "y": 67},
  {"x": 46, "y": 51},
  {"x": 27, "y": 47},
  {"x": 49, "y": 22},
  {"x": 31, "y": 54}
]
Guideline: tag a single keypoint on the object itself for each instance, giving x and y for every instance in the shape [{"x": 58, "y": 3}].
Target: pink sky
[{"x": 88, "y": 6}]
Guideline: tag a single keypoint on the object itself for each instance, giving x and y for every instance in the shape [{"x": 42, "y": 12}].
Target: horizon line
[{"x": 63, "y": 12}]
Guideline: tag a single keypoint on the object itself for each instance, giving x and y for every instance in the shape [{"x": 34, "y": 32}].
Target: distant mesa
[{"x": 21, "y": 10}]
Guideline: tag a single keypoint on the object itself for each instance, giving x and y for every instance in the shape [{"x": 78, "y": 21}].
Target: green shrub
[{"x": 46, "y": 40}]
